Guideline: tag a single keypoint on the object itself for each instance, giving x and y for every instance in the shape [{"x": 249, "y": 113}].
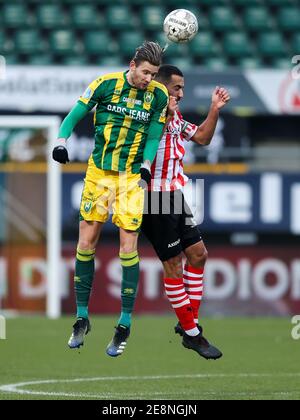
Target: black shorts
[{"x": 169, "y": 224}]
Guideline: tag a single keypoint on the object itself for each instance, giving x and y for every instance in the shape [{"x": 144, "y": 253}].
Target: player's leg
[
  {"x": 89, "y": 233},
  {"x": 193, "y": 273},
  {"x": 128, "y": 214},
  {"x": 178, "y": 298},
  {"x": 93, "y": 213},
  {"x": 196, "y": 254},
  {"x": 162, "y": 231},
  {"x": 173, "y": 280},
  {"x": 130, "y": 276}
]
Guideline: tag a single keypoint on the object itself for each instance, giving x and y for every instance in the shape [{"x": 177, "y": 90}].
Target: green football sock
[
  {"x": 83, "y": 280},
  {"x": 130, "y": 278}
]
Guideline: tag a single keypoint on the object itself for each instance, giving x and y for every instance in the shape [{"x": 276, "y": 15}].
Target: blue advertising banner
[{"x": 261, "y": 202}]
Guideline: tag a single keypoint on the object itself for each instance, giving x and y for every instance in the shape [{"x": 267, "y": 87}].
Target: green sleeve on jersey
[
  {"x": 153, "y": 139},
  {"x": 75, "y": 115},
  {"x": 156, "y": 127},
  {"x": 160, "y": 114}
]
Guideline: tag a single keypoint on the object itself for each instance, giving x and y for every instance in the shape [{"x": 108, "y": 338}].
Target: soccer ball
[{"x": 181, "y": 25}]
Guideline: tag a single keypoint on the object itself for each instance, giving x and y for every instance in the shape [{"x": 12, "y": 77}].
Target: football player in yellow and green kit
[{"x": 129, "y": 120}]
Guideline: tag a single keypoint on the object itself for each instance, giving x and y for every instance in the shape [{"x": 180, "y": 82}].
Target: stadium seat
[
  {"x": 177, "y": 4},
  {"x": 137, "y": 2},
  {"x": 211, "y": 2},
  {"x": 111, "y": 61},
  {"x": 289, "y": 18},
  {"x": 173, "y": 50},
  {"x": 271, "y": 44},
  {"x": 152, "y": 18},
  {"x": 27, "y": 41},
  {"x": 249, "y": 62},
  {"x": 85, "y": 16},
  {"x": 2, "y": 40},
  {"x": 11, "y": 59},
  {"x": 160, "y": 38},
  {"x": 282, "y": 63},
  {"x": 101, "y": 2},
  {"x": 75, "y": 60},
  {"x": 281, "y": 2},
  {"x": 119, "y": 18},
  {"x": 183, "y": 63},
  {"x": 129, "y": 41},
  {"x": 40, "y": 60},
  {"x": 237, "y": 44},
  {"x": 203, "y": 45},
  {"x": 215, "y": 63},
  {"x": 244, "y": 3},
  {"x": 201, "y": 17},
  {"x": 63, "y": 42},
  {"x": 257, "y": 19},
  {"x": 15, "y": 15},
  {"x": 222, "y": 19},
  {"x": 50, "y": 16},
  {"x": 98, "y": 42},
  {"x": 296, "y": 43},
  {"x": 5, "y": 44}
]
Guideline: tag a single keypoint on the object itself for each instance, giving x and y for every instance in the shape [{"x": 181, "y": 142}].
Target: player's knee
[
  {"x": 198, "y": 258},
  {"x": 173, "y": 267},
  {"x": 85, "y": 244},
  {"x": 127, "y": 248}
]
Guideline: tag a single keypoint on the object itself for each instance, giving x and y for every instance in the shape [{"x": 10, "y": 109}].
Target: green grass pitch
[{"x": 261, "y": 361}]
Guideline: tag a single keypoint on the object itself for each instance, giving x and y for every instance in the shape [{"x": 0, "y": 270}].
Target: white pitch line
[{"x": 15, "y": 388}]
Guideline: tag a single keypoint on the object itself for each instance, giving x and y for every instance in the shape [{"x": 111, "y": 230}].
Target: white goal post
[{"x": 51, "y": 125}]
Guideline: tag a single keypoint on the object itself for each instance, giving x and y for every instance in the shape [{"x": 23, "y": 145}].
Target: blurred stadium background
[{"x": 54, "y": 48}]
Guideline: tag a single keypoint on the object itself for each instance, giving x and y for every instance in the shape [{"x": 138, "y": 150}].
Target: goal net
[{"x": 30, "y": 215}]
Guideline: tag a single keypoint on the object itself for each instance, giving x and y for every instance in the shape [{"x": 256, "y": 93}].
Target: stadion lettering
[
  {"x": 267, "y": 202},
  {"x": 243, "y": 281}
]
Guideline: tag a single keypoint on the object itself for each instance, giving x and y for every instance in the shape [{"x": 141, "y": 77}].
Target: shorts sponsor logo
[{"x": 174, "y": 244}]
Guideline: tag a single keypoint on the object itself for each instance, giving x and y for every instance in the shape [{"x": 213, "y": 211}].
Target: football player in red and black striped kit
[{"x": 171, "y": 228}]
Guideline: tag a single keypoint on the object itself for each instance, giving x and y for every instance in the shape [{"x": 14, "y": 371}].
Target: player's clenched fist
[{"x": 60, "y": 152}]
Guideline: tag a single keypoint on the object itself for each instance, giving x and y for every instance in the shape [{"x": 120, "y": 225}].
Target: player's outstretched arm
[
  {"x": 155, "y": 132},
  {"x": 154, "y": 135},
  {"x": 206, "y": 130},
  {"x": 60, "y": 151}
]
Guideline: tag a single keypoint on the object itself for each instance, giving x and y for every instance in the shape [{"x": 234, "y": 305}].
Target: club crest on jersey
[
  {"x": 87, "y": 206},
  {"x": 148, "y": 97}
]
